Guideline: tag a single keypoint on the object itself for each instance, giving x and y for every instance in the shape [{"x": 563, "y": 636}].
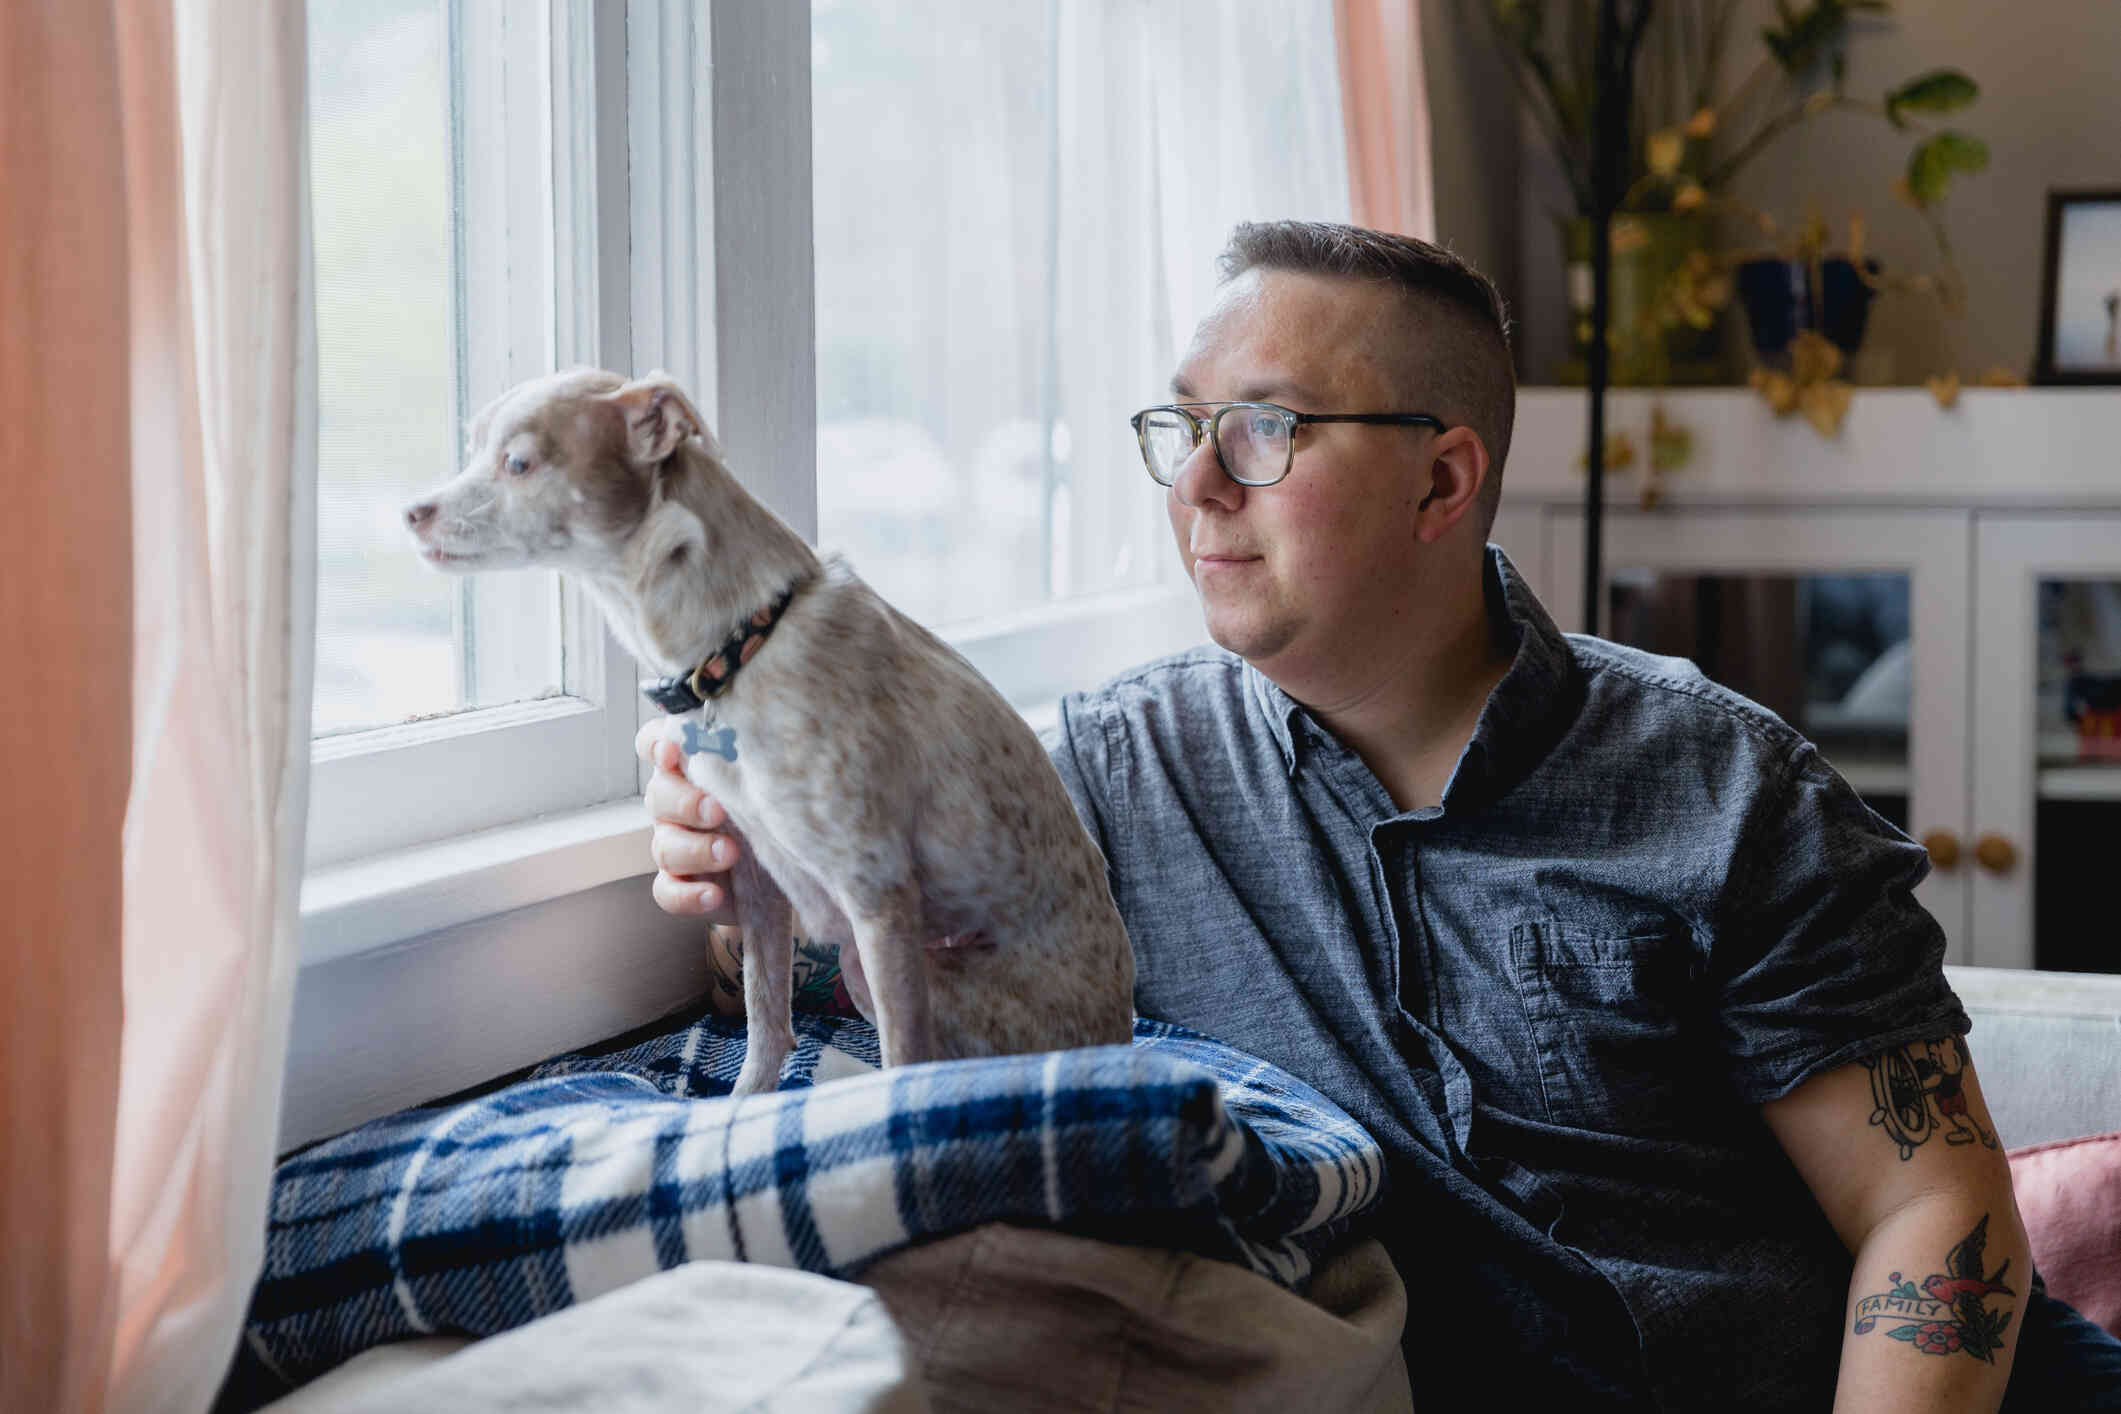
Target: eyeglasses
[{"x": 1255, "y": 442}]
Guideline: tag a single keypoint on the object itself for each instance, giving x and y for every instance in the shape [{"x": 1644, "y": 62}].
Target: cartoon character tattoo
[
  {"x": 1949, "y": 1311},
  {"x": 1921, "y": 1088}
]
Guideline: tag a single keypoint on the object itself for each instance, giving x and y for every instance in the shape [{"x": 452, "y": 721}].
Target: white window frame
[
  {"x": 439, "y": 779},
  {"x": 694, "y": 224}
]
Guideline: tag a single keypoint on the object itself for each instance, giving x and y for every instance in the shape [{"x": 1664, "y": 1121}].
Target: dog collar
[{"x": 688, "y": 692}]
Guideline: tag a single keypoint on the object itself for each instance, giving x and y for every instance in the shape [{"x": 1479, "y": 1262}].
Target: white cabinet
[
  {"x": 2046, "y": 818},
  {"x": 1928, "y": 597}
]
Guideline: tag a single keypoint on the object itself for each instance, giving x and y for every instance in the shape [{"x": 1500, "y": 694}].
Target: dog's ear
[
  {"x": 659, "y": 418},
  {"x": 671, "y": 594}
]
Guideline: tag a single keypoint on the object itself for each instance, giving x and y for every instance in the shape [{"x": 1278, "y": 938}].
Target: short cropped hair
[{"x": 1458, "y": 345}]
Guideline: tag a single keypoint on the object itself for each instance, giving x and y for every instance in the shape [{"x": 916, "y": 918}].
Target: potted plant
[{"x": 1668, "y": 284}]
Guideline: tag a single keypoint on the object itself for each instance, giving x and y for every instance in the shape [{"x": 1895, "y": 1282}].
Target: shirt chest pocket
[{"x": 1610, "y": 1020}]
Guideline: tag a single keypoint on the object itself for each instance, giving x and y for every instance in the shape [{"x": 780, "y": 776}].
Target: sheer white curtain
[
  {"x": 1179, "y": 120},
  {"x": 224, "y": 450},
  {"x": 1018, "y": 211},
  {"x": 182, "y": 216}
]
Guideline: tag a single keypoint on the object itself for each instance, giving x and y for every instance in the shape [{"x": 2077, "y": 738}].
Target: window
[
  {"x": 1014, "y": 212},
  {"x": 454, "y": 186}
]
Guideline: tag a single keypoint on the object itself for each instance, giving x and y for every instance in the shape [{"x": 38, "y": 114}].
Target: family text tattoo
[{"x": 1949, "y": 1311}]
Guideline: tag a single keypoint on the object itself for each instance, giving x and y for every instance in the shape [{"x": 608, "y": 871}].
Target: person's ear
[{"x": 1458, "y": 468}]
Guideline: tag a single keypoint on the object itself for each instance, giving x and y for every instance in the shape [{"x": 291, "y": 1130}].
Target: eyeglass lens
[{"x": 1254, "y": 443}]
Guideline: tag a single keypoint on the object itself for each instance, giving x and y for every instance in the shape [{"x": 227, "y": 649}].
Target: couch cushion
[
  {"x": 701, "y": 1338},
  {"x": 2048, "y": 1049},
  {"x": 2069, "y": 1193},
  {"x": 1041, "y": 1322}
]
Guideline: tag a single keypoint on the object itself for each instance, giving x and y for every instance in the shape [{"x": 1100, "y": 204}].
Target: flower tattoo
[{"x": 1949, "y": 1311}]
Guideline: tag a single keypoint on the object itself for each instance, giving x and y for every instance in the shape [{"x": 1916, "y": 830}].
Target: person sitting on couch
[{"x": 1628, "y": 981}]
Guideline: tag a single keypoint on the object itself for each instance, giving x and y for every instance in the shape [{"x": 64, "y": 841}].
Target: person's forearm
[{"x": 1934, "y": 1306}]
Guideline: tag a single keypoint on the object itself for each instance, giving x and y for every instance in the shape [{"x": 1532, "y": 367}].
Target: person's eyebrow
[{"x": 1270, "y": 390}]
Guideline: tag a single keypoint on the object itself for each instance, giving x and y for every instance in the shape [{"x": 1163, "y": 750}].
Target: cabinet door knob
[
  {"x": 1943, "y": 846},
  {"x": 1995, "y": 854}
]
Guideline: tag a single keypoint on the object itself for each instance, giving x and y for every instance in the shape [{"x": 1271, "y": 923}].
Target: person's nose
[{"x": 1201, "y": 481}]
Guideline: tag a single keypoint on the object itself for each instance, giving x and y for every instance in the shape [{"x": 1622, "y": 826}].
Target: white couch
[{"x": 2047, "y": 1046}]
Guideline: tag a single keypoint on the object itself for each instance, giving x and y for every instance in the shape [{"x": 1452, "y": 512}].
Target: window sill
[{"x": 387, "y": 899}]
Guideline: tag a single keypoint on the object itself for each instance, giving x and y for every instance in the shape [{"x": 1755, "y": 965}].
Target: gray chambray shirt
[{"x": 1644, "y": 906}]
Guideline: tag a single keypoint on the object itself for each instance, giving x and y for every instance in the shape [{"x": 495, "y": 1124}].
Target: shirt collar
[{"x": 1522, "y": 715}]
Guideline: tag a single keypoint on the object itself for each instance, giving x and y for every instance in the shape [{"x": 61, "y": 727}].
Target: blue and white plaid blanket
[{"x": 597, "y": 1171}]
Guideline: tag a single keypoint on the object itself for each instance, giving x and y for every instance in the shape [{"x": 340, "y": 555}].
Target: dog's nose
[{"x": 419, "y": 513}]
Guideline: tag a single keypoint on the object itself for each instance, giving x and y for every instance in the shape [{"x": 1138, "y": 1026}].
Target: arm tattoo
[
  {"x": 1919, "y": 1089},
  {"x": 725, "y": 962},
  {"x": 815, "y": 983},
  {"x": 817, "y": 979},
  {"x": 1949, "y": 1311}
]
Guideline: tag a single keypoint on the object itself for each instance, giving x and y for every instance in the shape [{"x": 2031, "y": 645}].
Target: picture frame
[{"x": 2080, "y": 290}]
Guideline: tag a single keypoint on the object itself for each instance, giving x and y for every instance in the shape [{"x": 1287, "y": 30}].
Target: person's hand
[{"x": 692, "y": 847}]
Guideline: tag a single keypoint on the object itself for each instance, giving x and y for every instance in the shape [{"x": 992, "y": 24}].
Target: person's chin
[{"x": 1247, "y": 634}]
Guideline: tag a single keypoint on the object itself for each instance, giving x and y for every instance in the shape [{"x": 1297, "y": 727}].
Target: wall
[
  {"x": 2049, "y": 111},
  {"x": 1475, "y": 155}
]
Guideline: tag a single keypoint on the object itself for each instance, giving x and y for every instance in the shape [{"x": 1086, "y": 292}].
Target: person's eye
[{"x": 518, "y": 464}]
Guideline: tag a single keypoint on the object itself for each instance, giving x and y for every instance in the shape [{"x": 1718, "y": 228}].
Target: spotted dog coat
[{"x": 889, "y": 800}]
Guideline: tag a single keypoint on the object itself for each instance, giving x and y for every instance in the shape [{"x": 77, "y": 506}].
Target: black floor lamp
[{"x": 1620, "y": 26}]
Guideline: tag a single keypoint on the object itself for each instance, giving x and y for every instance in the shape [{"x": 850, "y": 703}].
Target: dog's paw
[{"x": 757, "y": 1079}]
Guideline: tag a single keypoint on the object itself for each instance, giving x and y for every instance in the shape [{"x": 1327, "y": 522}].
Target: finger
[
  {"x": 689, "y": 898},
  {"x": 652, "y": 732},
  {"x": 678, "y": 849},
  {"x": 677, "y": 801}
]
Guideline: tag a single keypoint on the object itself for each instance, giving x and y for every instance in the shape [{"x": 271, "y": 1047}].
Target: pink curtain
[
  {"x": 157, "y": 431},
  {"x": 1386, "y": 108},
  {"x": 66, "y": 728}
]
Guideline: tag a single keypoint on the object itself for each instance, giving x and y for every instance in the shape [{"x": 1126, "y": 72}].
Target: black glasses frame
[{"x": 1291, "y": 420}]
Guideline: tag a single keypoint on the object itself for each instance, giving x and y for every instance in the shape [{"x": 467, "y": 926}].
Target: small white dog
[{"x": 888, "y": 797}]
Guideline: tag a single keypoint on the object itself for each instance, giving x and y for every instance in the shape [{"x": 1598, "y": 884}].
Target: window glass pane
[
  {"x": 434, "y": 293},
  {"x": 380, "y": 184}
]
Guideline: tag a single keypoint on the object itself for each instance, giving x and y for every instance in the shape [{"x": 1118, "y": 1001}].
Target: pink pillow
[{"x": 2069, "y": 1193}]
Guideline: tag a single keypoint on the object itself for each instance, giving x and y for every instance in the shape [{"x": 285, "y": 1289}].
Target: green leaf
[
  {"x": 1807, "y": 34},
  {"x": 1931, "y": 165},
  {"x": 1941, "y": 91},
  {"x": 1902, "y": 1333}
]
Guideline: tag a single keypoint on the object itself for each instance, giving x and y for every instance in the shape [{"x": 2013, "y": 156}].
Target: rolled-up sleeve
[{"x": 1821, "y": 955}]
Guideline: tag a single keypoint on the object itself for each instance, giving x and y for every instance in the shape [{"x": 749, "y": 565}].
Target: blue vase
[{"x": 1780, "y": 304}]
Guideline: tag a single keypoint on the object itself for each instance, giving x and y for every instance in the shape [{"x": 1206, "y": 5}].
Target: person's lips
[{"x": 1221, "y": 562}]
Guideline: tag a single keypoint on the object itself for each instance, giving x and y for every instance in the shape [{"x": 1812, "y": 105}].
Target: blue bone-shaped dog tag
[{"x": 721, "y": 741}]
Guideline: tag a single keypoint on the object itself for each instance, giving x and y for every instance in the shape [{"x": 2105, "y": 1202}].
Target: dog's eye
[{"x": 518, "y": 464}]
